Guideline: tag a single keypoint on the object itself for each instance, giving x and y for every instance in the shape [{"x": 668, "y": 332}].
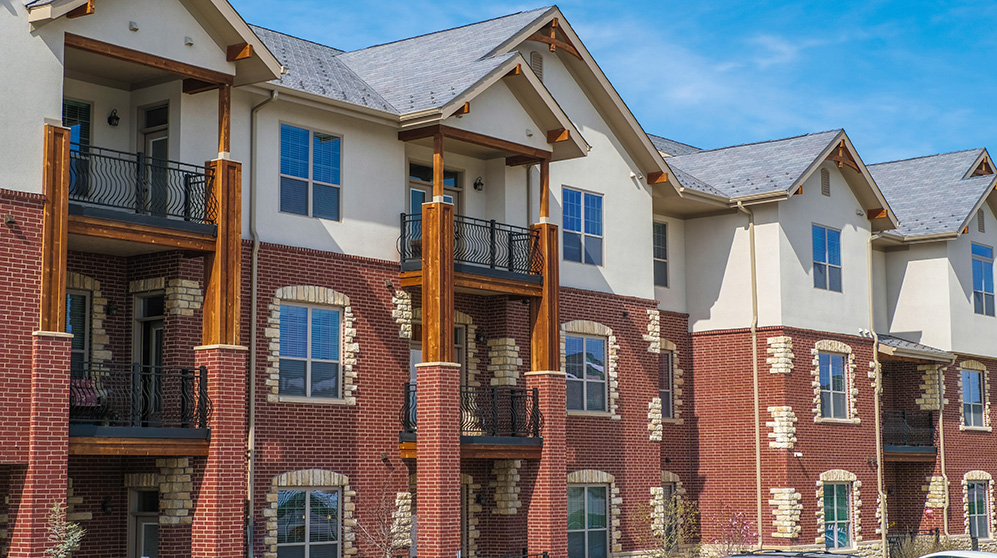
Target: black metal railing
[
  {"x": 897, "y": 539},
  {"x": 141, "y": 184},
  {"x": 133, "y": 395},
  {"x": 524, "y": 554},
  {"x": 479, "y": 242},
  {"x": 908, "y": 428},
  {"x": 488, "y": 411}
]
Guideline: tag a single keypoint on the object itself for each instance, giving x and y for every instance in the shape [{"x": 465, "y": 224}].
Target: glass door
[
  {"x": 149, "y": 329},
  {"x": 156, "y": 145}
]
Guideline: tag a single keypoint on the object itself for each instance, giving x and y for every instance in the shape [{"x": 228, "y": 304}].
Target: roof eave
[
  {"x": 368, "y": 113},
  {"x": 916, "y": 354},
  {"x": 53, "y": 10}
]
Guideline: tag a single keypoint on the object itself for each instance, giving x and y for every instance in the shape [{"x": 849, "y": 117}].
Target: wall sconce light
[
  {"x": 113, "y": 119},
  {"x": 479, "y": 185},
  {"x": 105, "y": 505},
  {"x": 480, "y": 337},
  {"x": 112, "y": 308}
]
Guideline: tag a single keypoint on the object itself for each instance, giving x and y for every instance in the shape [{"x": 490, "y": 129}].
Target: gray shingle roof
[
  {"x": 930, "y": 195},
  {"x": 755, "y": 168},
  {"x": 430, "y": 70},
  {"x": 314, "y": 68},
  {"x": 672, "y": 147},
  {"x": 903, "y": 344}
]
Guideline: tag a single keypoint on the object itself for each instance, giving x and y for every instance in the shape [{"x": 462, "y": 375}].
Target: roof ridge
[
  {"x": 674, "y": 141},
  {"x": 449, "y": 29},
  {"x": 338, "y": 51},
  {"x": 927, "y": 156},
  {"x": 763, "y": 142}
]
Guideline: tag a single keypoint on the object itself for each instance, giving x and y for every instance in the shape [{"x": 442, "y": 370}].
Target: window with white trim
[
  {"x": 972, "y": 398},
  {"x": 978, "y": 510},
  {"x": 582, "y": 226},
  {"x": 660, "y": 239},
  {"x": 669, "y": 533},
  {"x": 666, "y": 380},
  {"x": 833, "y": 385},
  {"x": 827, "y": 258},
  {"x": 585, "y": 368},
  {"x": 837, "y": 515},
  {"x": 983, "y": 279},
  {"x": 310, "y": 351},
  {"x": 308, "y": 523},
  {"x": 310, "y": 173},
  {"x": 588, "y": 525},
  {"x": 78, "y": 323}
]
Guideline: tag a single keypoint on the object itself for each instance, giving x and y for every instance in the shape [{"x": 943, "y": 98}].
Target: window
[
  {"x": 309, "y": 173},
  {"x": 309, "y": 351},
  {"x": 666, "y": 378},
  {"x": 78, "y": 323},
  {"x": 825, "y": 182},
  {"x": 585, "y": 367},
  {"x": 308, "y": 524},
  {"x": 837, "y": 523},
  {"x": 833, "y": 394},
  {"x": 983, "y": 280},
  {"x": 582, "y": 227},
  {"x": 588, "y": 533},
  {"x": 670, "y": 533},
  {"x": 827, "y": 258},
  {"x": 661, "y": 254},
  {"x": 972, "y": 398},
  {"x": 76, "y": 117},
  {"x": 977, "y": 510},
  {"x": 421, "y": 187}
]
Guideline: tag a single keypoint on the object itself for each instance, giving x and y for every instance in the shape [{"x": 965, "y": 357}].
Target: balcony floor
[
  {"x": 481, "y": 447},
  {"x": 909, "y": 454}
]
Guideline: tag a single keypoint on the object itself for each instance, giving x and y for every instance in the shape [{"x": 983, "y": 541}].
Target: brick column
[
  {"x": 438, "y": 461},
  {"x": 548, "y": 512},
  {"x": 219, "y": 516},
  {"x": 45, "y": 480}
]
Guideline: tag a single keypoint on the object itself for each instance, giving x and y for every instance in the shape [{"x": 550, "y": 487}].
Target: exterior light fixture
[
  {"x": 479, "y": 184},
  {"x": 113, "y": 119}
]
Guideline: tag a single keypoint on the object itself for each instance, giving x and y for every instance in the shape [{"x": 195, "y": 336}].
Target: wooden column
[
  {"x": 222, "y": 268},
  {"x": 224, "y": 118},
  {"x": 55, "y": 181},
  {"x": 437, "y": 165},
  {"x": 545, "y": 189},
  {"x": 545, "y": 331},
  {"x": 437, "y": 268}
]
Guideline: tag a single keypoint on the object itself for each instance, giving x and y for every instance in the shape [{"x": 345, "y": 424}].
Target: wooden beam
[
  {"x": 239, "y": 51},
  {"x": 192, "y": 86},
  {"x": 984, "y": 169},
  {"x": 478, "y": 284},
  {"x": 146, "y": 59},
  {"x": 555, "y": 43},
  {"x": 143, "y": 234},
  {"x": 558, "y": 135},
  {"x": 472, "y": 137},
  {"x": 438, "y": 187},
  {"x": 437, "y": 282},
  {"x": 877, "y": 213},
  {"x": 843, "y": 157},
  {"x": 137, "y": 446},
  {"x": 84, "y": 10},
  {"x": 224, "y": 119},
  {"x": 965, "y": 230},
  {"x": 544, "y": 189},
  {"x": 499, "y": 451},
  {"x": 222, "y": 268},
  {"x": 515, "y": 71},
  {"x": 657, "y": 177},
  {"x": 464, "y": 109},
  {"x": 519, "y": 160},
  {"x": 545, "y": 331},
  {"x": 55, "y": 229}
]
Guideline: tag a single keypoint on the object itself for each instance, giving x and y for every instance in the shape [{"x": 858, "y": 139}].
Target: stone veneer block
[
  {"x": 654, "y": 419},
  {"x": 935, "y": 490},
  {"x": 932, "y": 396},
  {"x": 504, "y": 361},
  {"x": 176, "y": 487},
  {"x": 783, "y": 425},
  {"x": 653, "y": 335},
  {"x": 505, "y": 487},
  {"x": 99, "y": 339},
  {"x": 786, "y": 507},
  {"x": 402, "y": 313},
  {"x": 780, "y": 350}
]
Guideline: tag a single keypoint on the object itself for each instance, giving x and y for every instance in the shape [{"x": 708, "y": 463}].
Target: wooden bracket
[
  {"x": 464, "y": 109},
  {"x": 843, "y": 157},
  {"x": 984, "y": 169},
  {"x": 515, "y": 71},
  {"x": 84, "y": 10},
  {"x": 877, "y": 213},
  {"x": 239, "y": 51},
  {"x": 559, "y": 134},
  {"x": 548, "y": 36},
  {"x": 657, "y": 177},
  {"x": 519, "y": 160}
]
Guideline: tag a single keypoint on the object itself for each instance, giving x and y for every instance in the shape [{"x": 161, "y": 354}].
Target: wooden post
[
  {"x": 224, "y": 118},
  {"x": 545, "y": 331},
  {"x": 437, "y": 165},
  {"x": 437, "y": 282},
  {"x": 54, "y": 229},
  {"x": 544, "y": 188},
  {"x": 222, "y": 268}
]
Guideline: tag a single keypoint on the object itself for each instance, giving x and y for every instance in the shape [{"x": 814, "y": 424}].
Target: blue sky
[{"x": 903, "y": 78}]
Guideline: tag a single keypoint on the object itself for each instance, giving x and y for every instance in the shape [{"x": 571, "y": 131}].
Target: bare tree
[
  {"x": 669, "y": 527},
  {"x": 386, "y": 521}
]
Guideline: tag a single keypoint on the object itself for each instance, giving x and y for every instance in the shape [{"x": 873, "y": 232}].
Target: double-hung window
[
  {"x": 582, "y": 226},
  {"x": 983, "y": 280},
  {"x": 309, "y": 351},
  {"x": 310, "y": 165},
  {"x": 837, "y": 519},
  {"x": 588, "y": 528},
  {"x": 666, "y": 379},
  {"x": 833, "y": 386},
  {"x": 972, "y": 398},
  {"x": 660, "y": 237},
  {"x": 78, "y": 323},
  {"x": 585, "y": 368},
  {"x": 308, "y": 524},
  {"x": 977, "y": 510},
  {"x": 827, "y": 258}
]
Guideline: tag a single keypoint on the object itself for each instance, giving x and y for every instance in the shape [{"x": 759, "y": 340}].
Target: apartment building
[{"x": 270, "y": 298}]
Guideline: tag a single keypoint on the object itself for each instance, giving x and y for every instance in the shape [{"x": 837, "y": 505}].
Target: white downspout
[
  {"x": 754, "y": 369},
  {"x": 941, "y": 444},
  {"x": 877, "y": 402},
  {"x": 250, "y": 473}
]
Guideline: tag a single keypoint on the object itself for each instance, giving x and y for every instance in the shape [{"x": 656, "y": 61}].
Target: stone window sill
[
  {"x": 311, "y": 400},
  {"x": 965, "y": 428},
  {"x": 839, "y": 421},
  {"x": 597, "y": 414}
]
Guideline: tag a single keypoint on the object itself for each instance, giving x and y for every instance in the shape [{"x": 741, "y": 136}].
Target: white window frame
[
  {"x": 88, "y": 318},
  {"x": 581, "y": 233},
  {"x": 310, "y": 181},
  {"x": 982, "y": 486},
  {"x": 836, "y": 522},
  {"x": 583, "y": 379},
  {"x": 983, "y": 279},
  {"x": 586, "y": 529},
  {"x": 981, "y": 385},
  {"x": 827, "y": 264},
  {"x": 844, "y": 392},
  {"x": 307, "y": 544},
  {"x": 654, "y": 256},
  {"x": 308, "y": 360},
  {"x": 667, "y": 393}
]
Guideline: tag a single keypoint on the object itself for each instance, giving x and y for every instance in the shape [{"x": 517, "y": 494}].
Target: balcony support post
[
  {"x": 224, "y": 120},
  {"x": 438, "y": 269},
  {"x": 544, "y": 189},
  {"x": 545, "y": 347},
  {"x": 222, "y": 267},
  {"x": 55, "y": 226},
  {"x": 548, "y": 508}
]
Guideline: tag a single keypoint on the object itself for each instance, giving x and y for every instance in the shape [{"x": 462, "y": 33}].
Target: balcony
[
  {"x": 132, "y": 187},
  {"x": 908, "y": 436},
  {"x": 487, "y": 255},
  {"x": 138, "y": 410},
  {"x": 495, "y": 422}
]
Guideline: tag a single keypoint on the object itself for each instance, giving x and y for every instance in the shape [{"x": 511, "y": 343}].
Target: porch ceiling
[{"x": 111, "y": 72}]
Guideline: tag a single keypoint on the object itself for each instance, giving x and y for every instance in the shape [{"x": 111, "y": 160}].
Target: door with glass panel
[
  {"x": 76, "y": 117},
  {"x": 154, "y": 194},
  {"x": 149, "y": 330},
  {"x": 144, "y": 518},
  {"x": 837, "y": 520},
  {"x": 308, "y": 524},
  {"x": 420, "y": 191},
  {"x": 588, "y": 531}
]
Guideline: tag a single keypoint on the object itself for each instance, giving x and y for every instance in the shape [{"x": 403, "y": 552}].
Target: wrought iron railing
[
  {"x": 480, "y": 243},
  {"x": 908, "y": 428},
  {"x": 488, "y": 411},
  {"x": 134, "y": 395},
  {"x": 897, "y": 539},
  {"x": 141, "y": 184}
]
